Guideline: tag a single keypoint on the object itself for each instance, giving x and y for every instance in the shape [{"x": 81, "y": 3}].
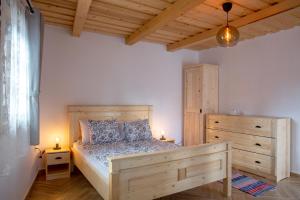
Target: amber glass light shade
[{"x": 228, "y": 36}]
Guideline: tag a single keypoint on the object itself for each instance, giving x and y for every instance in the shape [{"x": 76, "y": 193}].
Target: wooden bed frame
[{"x": 151, "y": 175}]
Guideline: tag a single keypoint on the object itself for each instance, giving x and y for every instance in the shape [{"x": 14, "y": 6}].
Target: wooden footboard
[{"x": 153, "y": 175}]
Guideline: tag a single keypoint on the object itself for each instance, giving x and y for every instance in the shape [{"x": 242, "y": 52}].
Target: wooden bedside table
[
  {"x": 171, "y": 140},
  {"x": 58, "y": 163}
]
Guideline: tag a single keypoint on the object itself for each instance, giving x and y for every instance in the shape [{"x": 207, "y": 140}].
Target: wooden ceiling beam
[
  {"x": 82, "y": 10},
  {"x": 248, "y": 19},
  {"x": 172, "y": 12}
]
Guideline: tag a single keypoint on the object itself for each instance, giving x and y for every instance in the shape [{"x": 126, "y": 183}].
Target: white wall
[
  {"x": 22, "y": 167},
  {"x": 97, "y": 69},
  {"x": 258, "y": 76},
  {"x": 262, "y": 77}
]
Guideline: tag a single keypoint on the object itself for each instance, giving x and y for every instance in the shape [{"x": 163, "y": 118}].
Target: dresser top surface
[{"x": 248, "y": 116}]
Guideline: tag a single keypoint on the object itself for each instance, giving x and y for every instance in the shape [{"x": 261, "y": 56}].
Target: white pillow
[{"x": 85, "y": 132}]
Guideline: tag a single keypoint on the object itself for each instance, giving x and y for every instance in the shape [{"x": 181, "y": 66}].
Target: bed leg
[
  {"x": 227, "y": 187},
  {"x": 114, "y": 187},
  {"x": 227, "y": 181}
]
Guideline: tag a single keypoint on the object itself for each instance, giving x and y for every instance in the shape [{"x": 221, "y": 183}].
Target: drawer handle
[
  {"x": 257, "y": 126},
  {"x": 58, "y": 158},
  {"x": 217, "y": 137},
  {"x": 258, "y": 162},
  {"x": 216, "y": 122},
  {"x": 257, "y": 144}
]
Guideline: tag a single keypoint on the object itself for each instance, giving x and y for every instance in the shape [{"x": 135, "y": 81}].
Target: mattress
[{"x": 97, "y": 155}]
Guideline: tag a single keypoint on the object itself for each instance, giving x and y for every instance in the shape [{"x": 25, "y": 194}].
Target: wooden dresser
[{"x": 261, "y": 145}]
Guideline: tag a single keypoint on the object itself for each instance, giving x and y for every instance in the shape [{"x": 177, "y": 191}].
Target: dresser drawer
[
  {"x": 58, "y": 158},
  {"x": 252, "y": 125},
  {"x": 256, "y": 162},
  {"x": 256, "y": 144}
]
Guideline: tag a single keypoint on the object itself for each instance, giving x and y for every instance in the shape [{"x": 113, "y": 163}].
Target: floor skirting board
[{"x": 295, "y": 174}]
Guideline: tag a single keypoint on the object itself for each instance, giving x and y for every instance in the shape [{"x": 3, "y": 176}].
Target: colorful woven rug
[{"x": 250, "y": 185}]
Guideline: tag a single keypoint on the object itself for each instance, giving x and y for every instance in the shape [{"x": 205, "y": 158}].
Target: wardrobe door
[{"x": 192, "y": 106}]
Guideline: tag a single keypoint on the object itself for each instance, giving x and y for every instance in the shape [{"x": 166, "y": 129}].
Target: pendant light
[{"x": 228, "y": 36}]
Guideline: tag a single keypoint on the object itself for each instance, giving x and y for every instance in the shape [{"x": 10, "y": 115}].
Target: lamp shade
[{"x": 228, "y": 36}]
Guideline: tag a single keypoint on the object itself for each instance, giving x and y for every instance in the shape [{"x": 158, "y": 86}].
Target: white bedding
[
  {"x": 96, "y": 155},
  {"x": 81, "y": 153}
]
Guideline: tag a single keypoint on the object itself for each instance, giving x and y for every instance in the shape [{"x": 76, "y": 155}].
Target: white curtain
[{"x": 14, "y": 84}]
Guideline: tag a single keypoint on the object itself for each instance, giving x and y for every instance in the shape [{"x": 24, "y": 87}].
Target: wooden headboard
[{"x": 122, "y": 113}]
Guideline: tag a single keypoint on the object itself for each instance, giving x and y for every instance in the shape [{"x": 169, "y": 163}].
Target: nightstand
[
  {"x": 170, "y": 140},
  {"x": 58, "y": 163}
]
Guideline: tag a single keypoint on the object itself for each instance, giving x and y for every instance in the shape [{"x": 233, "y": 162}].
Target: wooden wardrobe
[{"x": 200, "y": 96}]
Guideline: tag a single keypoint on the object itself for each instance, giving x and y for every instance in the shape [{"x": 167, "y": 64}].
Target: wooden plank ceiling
[{"x": 178, "y": 24}]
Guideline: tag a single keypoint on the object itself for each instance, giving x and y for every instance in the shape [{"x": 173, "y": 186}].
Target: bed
[{"x": 147, "y": 174}]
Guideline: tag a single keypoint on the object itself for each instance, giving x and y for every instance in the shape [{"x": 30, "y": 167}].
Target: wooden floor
[{"x": 77, "y": 187}]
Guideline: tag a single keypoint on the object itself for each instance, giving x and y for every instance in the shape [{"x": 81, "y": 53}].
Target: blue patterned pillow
[
  {"x": 106, "y": 131},
  {"x": 137, "y": 130}
]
